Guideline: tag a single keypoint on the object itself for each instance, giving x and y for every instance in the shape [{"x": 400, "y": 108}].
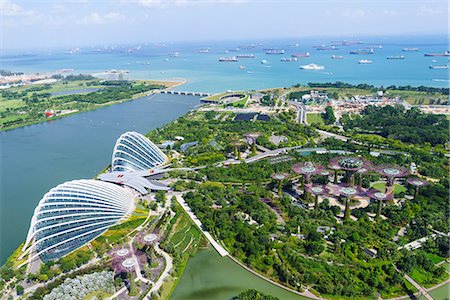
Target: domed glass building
[
  {"x": 134, "y": 152},
  {"x": 72, "y": 214}
]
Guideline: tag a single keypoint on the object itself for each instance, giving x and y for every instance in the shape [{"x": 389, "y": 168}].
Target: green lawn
[
  {"x": 381, "y": 186},
  {"x": 314, "y": 118}
]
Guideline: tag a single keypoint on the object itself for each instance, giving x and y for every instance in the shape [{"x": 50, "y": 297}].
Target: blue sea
[{"x": 205, "y": 73}]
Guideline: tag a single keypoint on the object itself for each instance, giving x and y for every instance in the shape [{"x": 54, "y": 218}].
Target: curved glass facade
[
  {"x": 72, "y": 214},
  {"x": 134, "y": 152}
]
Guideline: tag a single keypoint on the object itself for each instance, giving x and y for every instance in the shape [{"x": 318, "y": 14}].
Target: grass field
[
  {"x": 314, "y": 118},
  {"x": 381, "y": 186}
]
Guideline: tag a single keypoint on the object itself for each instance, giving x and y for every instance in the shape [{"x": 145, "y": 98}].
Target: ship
[
  {"x": 337, "y": 57},
  {"x": 395, "y": 57},
  {"x": 300, "y": 54},
  {"x": 241, "y": 67},
  {"x": 326, "y": 48},
  {"x": 374, "y": 47},
  {"x": 275, "y": 51},
  {"x": 245, "y": 56},
  {"x": 288, "y": 59},
  {"x": 446, "y": 53},
  {"x": 174, "y": 54},
  {"x": 312, "y": 67},
  {"x": 364, "y": 62},
  {"x": 410, "y": 49},
  {"x": 265, "y": 62},
  {"x": 203, "y": 50},
  {"x": 233, "y": 50},
  {"x": 362, "y": 51},
  {"x": 439, "y": 67},
  {"x": 228, "y": 59}
]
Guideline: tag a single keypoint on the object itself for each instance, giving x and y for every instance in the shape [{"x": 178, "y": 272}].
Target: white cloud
[
  {"x": 354, "y": 13},
  {"x": 11, "y": 9},
  {"x": 98, "y": 19},
  {"x": 388, "y": 12},
  {"x": 426, "y": 10},
  {"x": 168, "y": 3}
]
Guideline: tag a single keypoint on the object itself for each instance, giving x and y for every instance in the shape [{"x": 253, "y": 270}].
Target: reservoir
[
  {"x": 210, "y": 276},
  {"x": 35, "y": 158}
]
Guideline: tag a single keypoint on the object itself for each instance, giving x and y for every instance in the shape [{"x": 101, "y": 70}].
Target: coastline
[
  {"x": 234, "y": 259},
  {"x": 169, "y": 85}
]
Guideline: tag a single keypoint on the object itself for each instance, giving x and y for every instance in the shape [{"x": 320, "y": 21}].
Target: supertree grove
[{"x": 307, "y": 169}]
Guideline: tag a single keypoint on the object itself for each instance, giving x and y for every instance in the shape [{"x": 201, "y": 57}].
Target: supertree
[
  {"x": 326, "y": 175},
  {"x": 317, "y": 190},
  {"x": 348, "y": 192},
  {"x": 391, "y": 172},
  {"x": 417, "y": 183},
  {"x": 379, "y": 197},
  {"x": 236, "y": 143},
  {"x": 251, "y": 137},
  {"x": 279, "y": 177},
  {"x": 349, "y": 164},
  {"x": 307, "y": 169},
  {"x": 364, "y": 170},
  {"x": 145, "y": 240}
]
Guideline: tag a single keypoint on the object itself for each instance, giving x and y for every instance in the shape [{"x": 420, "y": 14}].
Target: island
[{"x": 329, "y": 191}]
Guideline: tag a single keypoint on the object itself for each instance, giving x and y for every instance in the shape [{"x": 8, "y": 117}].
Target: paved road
[
  {"x": 327, "y": 134},
  {"x": 423, "y": 291}
]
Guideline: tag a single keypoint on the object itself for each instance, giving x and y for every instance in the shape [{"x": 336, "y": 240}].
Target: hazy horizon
[{"x": 50, "y": 24}]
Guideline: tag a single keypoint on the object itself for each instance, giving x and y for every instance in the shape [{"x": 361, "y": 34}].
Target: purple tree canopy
[
  {"x": 349, "y": 163},
  {"x": 308, "y": 168},
  {"x": 392, "y": 171},
  {"x": 377, "y": 195},
  {"x": 317, "y": 189},
  {"x": 417, "y": 182}
]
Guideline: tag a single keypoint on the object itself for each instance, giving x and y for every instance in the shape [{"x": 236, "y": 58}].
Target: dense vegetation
[
  {"x": 252, "y": 294},
  {"x": 410, "y": 126},
  {"x": 343, "y": 85},
  {"x": 216, "y": 137}
]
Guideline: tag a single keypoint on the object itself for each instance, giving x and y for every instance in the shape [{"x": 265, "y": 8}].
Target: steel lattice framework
[
  {"x": 73, "y": 213},
  {"x": 134, "y": 152}
]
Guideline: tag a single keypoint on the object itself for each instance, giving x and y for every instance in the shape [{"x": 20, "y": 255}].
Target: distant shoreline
[{"x": 168, "y": 84}]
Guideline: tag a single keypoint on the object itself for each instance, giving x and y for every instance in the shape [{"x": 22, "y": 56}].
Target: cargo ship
[
  {"x": 312, "y": 67},
  {"x": 362, "y": 51},
  {"x": 289, "y": 59},
  {"x": 275, "y": 51},
  {"x": 439, "y": 67},
  {"x": 365, "y": 62},
  {"x": 446, "y": 53},
  {"x": 228, "y": 59},
  {"x": 410, "y": 49},
  {"x": 327, "y": 48},
  {"x": 300, "y": 54},
  {"x": 245, "y": 56},
  {"x": 337, "y": 57},
  {"x": 395, "y": 57}
]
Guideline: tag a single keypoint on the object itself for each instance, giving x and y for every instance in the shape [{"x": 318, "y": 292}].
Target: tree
[
  {"x": 328, "y": 116},
  {"x": 19, "y": 290}
]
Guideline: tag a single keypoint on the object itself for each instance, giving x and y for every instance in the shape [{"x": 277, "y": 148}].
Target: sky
[{"x": 69, "y": 23}]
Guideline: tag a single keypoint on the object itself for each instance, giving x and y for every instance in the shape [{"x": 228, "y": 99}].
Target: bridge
[{"x": 201, "y": 94}]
